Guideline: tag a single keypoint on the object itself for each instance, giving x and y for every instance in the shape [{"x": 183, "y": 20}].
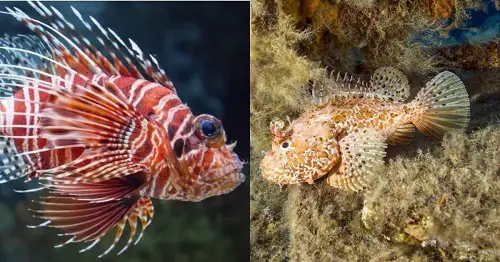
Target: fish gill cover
[
  {"x": 434, "y": 199},
  {"x": 206, "y": 58}
]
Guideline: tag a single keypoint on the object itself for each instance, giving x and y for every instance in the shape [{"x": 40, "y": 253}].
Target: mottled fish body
[{"x": 345, "y": 136}]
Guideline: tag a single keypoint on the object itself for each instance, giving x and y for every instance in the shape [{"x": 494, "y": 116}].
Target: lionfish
[
  {"x": 344, "y": 136},
  {"x": 102, "y": 130}
]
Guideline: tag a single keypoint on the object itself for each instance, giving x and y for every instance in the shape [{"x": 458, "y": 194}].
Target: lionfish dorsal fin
[
  {"x": 15, "y": 63},
  {"x": 85, "y": 57}
]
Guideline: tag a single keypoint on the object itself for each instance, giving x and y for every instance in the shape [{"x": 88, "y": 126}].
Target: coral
[{"x": 473, "y": 57}]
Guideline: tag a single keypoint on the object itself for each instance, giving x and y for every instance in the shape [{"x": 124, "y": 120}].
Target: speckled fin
[
  {"x": 390, "y": 83},
  {"x": 403, "y": 135},
  {"x": 386, "y": 83},
  {"x": 362, "y": 153},
  {"x": 87, "y": 212},
  {"x": 442, "y": 105}
]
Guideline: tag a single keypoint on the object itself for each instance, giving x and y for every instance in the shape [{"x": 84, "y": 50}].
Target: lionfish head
[{"x": 213, "y": 166}]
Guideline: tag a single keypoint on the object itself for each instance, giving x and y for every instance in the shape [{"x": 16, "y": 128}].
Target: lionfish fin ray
[
  {"x": 121, "y": 59},
  {"x": 9, "y": 55},
  {"x": 50, "y": 36},
  {"x": 12, "y": 166},
  {"x": 100, "y": 119},
  {"x": 84, "y": 219}
]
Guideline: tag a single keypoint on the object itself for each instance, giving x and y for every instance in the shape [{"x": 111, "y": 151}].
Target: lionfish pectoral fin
[
  {"x": 100, "y": 119},
  {"x": 389, "y": 82},
  {"x": 86, "y": 212},
  {"x": 442, "y": 105},
  {"x": 362, "y": 154},
  {"x": 403, "y": 135}
]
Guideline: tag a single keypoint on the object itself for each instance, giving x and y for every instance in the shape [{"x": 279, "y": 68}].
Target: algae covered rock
[
  {"x": 447, "y": 199},
  {"x": 434, "y": 200}
]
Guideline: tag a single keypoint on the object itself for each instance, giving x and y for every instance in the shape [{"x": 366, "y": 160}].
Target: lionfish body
[
  {"x": 103, "y": 136},
  {"x": 345, "y": 136}
]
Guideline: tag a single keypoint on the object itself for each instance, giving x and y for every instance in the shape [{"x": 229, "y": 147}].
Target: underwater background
[
  {"x": 203, "y": 47},
  {"x": 434, "y": 200}
]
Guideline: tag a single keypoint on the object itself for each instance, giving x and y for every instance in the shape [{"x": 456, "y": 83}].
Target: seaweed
[
  {"x": 445, "y": 200},
  {"x": 434, "y": 200}
]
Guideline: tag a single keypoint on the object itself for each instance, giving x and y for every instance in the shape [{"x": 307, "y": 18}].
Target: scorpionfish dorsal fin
[
  {"x": 390, "y": 83},
  {"x": 69, "y": 47},
  {"x": 387, "y": 84}
]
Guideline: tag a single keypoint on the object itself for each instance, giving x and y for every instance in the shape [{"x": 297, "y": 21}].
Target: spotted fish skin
[
  {"x": 102, "y": 130},
  {"x": 344, "y": 136}
]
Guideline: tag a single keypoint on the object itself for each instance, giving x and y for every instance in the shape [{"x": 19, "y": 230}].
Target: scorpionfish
[
  {"x": 100, "y": 126},
  {"x": 344, "y": 136}
]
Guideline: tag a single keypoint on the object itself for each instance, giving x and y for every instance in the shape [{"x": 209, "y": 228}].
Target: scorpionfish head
[
  {"x": 214, "y": 168},
  {"x": 303, "y": 152}
]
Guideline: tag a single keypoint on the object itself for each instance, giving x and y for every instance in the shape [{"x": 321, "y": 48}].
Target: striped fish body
[
  {"x": 149, "y": 99},
  {"x": 102, "y": 134}
]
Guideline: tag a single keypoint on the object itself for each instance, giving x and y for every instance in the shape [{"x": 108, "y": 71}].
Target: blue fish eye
[{"x": 208, "y": 128}]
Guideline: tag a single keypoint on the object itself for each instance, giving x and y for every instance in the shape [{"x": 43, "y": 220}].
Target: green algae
[{"x": 434, "y": 200}]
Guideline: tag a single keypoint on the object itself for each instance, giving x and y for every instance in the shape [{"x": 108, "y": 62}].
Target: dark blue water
[
  {"x": 481, "y": 27},
  {"x": 204, "y": 48}
]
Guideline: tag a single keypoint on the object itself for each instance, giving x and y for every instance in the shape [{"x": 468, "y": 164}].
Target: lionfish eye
[{"x": 208, "y": 128}]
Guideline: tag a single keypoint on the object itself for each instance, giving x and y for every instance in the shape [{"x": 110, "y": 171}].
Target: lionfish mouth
[{"x": 234, "y": 169}]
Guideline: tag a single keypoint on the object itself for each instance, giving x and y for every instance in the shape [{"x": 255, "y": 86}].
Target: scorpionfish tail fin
[{"x": 442, "y": 105}]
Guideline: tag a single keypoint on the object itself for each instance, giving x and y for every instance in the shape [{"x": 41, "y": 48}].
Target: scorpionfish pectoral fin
[{"x": 362, "y": 153}]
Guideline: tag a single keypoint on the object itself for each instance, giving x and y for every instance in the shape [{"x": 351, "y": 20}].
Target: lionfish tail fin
[
  {"x": 87, "y": 212},
  {"x": 442, "y": 105}
]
